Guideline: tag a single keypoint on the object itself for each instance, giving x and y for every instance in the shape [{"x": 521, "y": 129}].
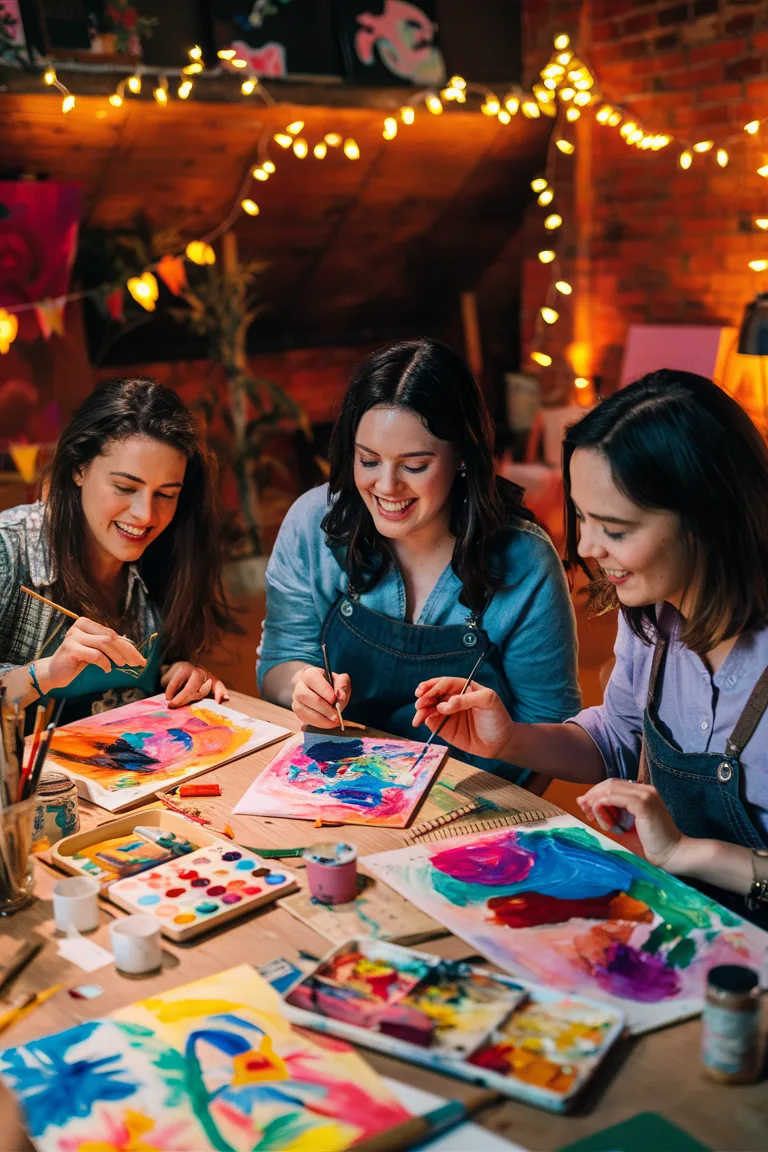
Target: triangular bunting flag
[
  {"x": 50, "y": 317},
  {"x": 173, "y": 274},
  {"x": 113, "y": 302},
  {"x": 24, "y": 457}
]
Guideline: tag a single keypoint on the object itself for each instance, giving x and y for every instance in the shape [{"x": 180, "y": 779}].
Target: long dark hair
[
  {"x": 428, "y": 378},
  {"x": 182, "y": 567},
  {"x": 675, "y": 441}
]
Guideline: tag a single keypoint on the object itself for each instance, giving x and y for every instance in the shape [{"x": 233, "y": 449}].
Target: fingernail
[
  {"x": 225, "y": 696},
  {"x": 617, "y": 830}
]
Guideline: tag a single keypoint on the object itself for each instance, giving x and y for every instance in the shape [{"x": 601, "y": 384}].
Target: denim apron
[
  {"x": 386, "y": 660},
  {"x": 702, "y": 790},
  {"x": 93, "y": 690}
]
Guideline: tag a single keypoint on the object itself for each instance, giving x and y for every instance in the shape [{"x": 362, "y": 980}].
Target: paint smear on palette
[
  {"x": 126, "y": 754},
  {"x": 208, "y": 1065},
  {"x": 569, "y": 908},
  {"x": 344, "y": 780}
]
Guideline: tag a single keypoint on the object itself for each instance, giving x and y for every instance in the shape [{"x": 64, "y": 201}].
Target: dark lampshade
[{"x": 753, "y": 336}]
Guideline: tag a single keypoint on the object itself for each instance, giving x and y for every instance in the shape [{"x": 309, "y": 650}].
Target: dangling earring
[{"x": 463, "y": 470}]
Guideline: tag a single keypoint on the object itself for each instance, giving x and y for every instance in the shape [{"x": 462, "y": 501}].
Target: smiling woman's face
[
  {"x": 129, "y": 496},
  {"x": 641, "y": 551},
  {"x": 403, "y": 473}
]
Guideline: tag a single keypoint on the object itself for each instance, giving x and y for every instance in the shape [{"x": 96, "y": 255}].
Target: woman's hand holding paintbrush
[
  {"x": 467, "y": 715},
  {"x": 318, "y": 701}
]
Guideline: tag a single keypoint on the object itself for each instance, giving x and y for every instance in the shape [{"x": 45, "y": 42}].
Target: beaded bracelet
[{"x": 35, "y": 681}]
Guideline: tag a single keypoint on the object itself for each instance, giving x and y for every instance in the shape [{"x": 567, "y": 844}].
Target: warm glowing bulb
[
  {"x": 184, "y": 90},
  {"x": 282, "y": 139},
  {"x": 390, "y": 128},
  {"x": 239, "y": 63},
  {"x": 581, "y": 382},
  {"x": 226, "y": 54},
  {"x": 295, "y": 127},
  {"x": 564, "y": 58},
  {"x": 49, "y": 76},
  {"x": 143, "y": 289},
  {"x": 752, "y": 127},
  {"x": 546, "y": 197},
  {"x": 451, "y": 93},
  {"x": 572, "y": 114},
  {"x": 627, "y": 129},
  {"x": 762, "y": 222},
  {"x": 351, "y": 150},
  {"x": 458, "y": 82},
  {"x": 512, "y": 104},
  {"x": 260, "y": 174},
  {"x": 567, "y": 94},
  {"x": 200, "y": 253},
  {"x": 565, "y": 146},
  {"x": 268, "y": 167},
  {"x": 116, "y": 100},
  {"x": 758, "y": 265},
  {"x": 722, "y": 157},
  {"x": 68, "y": 103},
  {"x": 604, "y": 114},
  {"x": 562, "y": 41},
  {"x": 434, "y": 104},
  {"x": 196, "y": 53},
  {"x": 192, "y": 69},
  {"x": 646, "y": 142},
  {"x": 582, "y": 99},
  {"x": 300, "y": 148},
  {"x": 763, "y": 171},
  {"x": 407, "y": 115},
  {"x": 549, "y": 316},
  {"x": 614, "y": 119},
  {"x": 686, "y": 159},
  {"x": 320, "y": 150},
  {"x": 553, "y": 221},
  {"x": 541, "y": 358},
  {"x": 9, "y": 328},
  {"x": 490, "y": 107},
  {"x": 504, "y": 117},
  {"x": 531, "y": 109},
  {"x": 539, "y": 184},
  {"x": 248, "y": 86},
  {"x": 635, "y": 137},
  {"x": 332, "y": 139},
  {"x": 134, "y": 84},
  {"x": 564, "y": 287},
  {"x": 161, "y": 95},
  {"x": 703, "y": 146},
  {"x": 547, "y": 256},
  {"x": 550, "y": 83},
  {"x": 250, "y": 206}
]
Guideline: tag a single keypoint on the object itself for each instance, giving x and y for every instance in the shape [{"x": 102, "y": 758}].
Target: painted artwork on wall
[
  {"x": 277, "y": 37},
  {"x": 390, "y": 42},
  {"x": 124, "y": 755},
  {"x": 345, "y": 780},
  {"x": 208, "y": 1065},
  {"x": 566, "y": 907}
]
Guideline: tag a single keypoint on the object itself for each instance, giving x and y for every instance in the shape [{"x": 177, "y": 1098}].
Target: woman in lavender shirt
[{"x": 667, "y": 486}]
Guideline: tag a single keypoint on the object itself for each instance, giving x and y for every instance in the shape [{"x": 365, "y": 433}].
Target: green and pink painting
[{"x": 566, "y": 907}]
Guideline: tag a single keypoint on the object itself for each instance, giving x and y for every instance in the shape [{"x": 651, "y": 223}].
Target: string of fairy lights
[{"x": 566, "y": 90}]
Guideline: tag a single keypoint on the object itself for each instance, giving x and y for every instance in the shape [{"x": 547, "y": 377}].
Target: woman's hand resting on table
[
  {"x": 314, "y": 699},
  {"x": 477, "y": 722},
  {"x": 607, "y": 803},
  {"x": 185, "y": 683}
]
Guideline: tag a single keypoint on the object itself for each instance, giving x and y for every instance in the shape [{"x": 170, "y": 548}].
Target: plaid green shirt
[{"x": 28, "y": 628}]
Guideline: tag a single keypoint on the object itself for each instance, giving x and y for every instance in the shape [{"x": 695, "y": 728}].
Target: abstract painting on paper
[
  {"x": 344, "y": 780},
  {"x": 208, "y": 1065},
  {"x": 566, "y": 907},
  {"x": 122, "y": 756}
]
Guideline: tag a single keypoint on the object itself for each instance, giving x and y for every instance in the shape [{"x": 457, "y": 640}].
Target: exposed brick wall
[{"x": 666, "y": 246}]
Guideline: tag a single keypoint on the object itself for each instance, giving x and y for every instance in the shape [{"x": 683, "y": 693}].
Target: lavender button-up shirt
[{"x": 699, "y": 710}]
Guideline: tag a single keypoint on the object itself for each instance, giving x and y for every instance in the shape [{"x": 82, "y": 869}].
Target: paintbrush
[
  {"x": 422, "y": 1128},
  {"x": 329, "y": 678},
  {"x": 445, "y": 719},
  {"x": 35, "y": 745},
  {"x": 45, "y": 743}
]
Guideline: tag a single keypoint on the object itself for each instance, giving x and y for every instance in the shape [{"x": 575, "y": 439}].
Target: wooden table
[{"x": 657, "y": 1072}]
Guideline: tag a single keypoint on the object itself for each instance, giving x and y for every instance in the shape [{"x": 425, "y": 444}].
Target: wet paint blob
[
  {"x": 252, "y": 890},
  {"x": 235, "y": 885},
  {"x": 166, "y": 910},
  {"x": 188, "y": 875},
  {"x": 275, "y": 878},
  {"x": 231, "y": 855},
  {"x": 148, "y": 900},
  {"x": 231, "y": 898},
  {"x": 200, "y": 882},
  {"x": 216, "y": 890},
  {"x": 244, "y": 865},
  {"x": 260, "y": 872},
  {"x": 185, "y": 918},
  {"x": 172, "y": 893},
  {"x": 206, "y": 908}
]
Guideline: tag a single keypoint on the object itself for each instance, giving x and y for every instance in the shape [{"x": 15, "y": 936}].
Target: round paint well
[
  {"x": 165, "y": 910},
  {"x": 235, "y": 885},
  {"x": 231, "y": 898},
  {"x": 260, "y": 872},
  {"x": 202, "y": 860},
  {"x": 129, "y": 885},
  {"x": 274, "y": 878},
  {"x": 244, "y": 865},
  {"x": 148, "y": 900},
  {"x": 172, "y": 893},
  {"x": 231, "y": 855},
  {"x": 184, "y": 918},
  {"x": 191, "y": 875},
  {"x": 216, "y": 890},
  {"x": 207, "y": 907},
  {"x": 200, "y": 882},
  {"x": 221, "y": 872},
  {"x": 251, "y": 890}
]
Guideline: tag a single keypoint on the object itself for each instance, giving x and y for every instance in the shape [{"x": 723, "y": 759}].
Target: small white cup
[
  {"x": 76, "y": 904},
  {"x": 136, "y": 944}
]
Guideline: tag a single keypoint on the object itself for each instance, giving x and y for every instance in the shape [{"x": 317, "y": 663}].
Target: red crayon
[{"x": 199, "y": 790}]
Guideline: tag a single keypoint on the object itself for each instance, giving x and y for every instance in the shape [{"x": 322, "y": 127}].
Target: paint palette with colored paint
[
  {"x": 203, "y": 890},
  {"x": 527, "y": 1041}
]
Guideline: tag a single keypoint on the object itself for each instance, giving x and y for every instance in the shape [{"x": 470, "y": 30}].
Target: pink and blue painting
[
  {"x": 344, "y": 780},
  {"x": 208, "y": 1065},
  {"x": 570, "y": 909}
]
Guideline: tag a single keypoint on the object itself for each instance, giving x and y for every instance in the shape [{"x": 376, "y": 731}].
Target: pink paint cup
[{"x": 332, "y": 872}]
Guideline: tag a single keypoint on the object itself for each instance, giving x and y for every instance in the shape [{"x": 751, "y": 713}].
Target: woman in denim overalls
[{"x": 667, "y": 486}]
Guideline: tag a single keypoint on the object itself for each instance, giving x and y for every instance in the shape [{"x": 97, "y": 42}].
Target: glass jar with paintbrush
[{"x": 19, "y": 779}]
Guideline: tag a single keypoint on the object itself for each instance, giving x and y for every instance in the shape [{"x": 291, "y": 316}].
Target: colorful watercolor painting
[
  {"x": 344, "y": 780},
  {"x": 208, "y": 1065},
  {"x": 122, "y": 756},
  {"x": 565, "y": 906},
  {"x": 122, "y": 856}
]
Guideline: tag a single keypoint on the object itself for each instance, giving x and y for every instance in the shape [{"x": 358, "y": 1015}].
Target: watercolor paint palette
[
  {"x": 200, "y": 891},
  {"x": 344, "y": 780},
  {"x": 529, "y": 1042}
]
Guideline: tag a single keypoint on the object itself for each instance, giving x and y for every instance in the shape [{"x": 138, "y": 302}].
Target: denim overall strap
[
  {"x": 702, "y": 790},
  {"x": 386, "y": 659}
]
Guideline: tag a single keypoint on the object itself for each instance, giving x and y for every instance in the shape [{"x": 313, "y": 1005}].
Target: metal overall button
[
  {"x": 470, "y": 639},
  {"x": 346, "y": 608},
  {"x": 724, "y": 771}
]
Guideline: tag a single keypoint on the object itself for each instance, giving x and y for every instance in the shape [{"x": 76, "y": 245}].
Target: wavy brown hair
[
  {"x": 430, "y": 379},
  {"x": 675, "y": 441},
  {"x": 182, "y": 567}
]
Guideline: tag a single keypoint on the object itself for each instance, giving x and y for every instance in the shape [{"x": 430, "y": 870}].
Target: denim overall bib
[
  {"x": 386, "y": 660},
  {"x": 702, "y": 790}
]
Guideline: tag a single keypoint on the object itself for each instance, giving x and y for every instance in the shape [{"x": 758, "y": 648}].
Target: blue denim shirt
[{"x": 530, "y": 618}]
